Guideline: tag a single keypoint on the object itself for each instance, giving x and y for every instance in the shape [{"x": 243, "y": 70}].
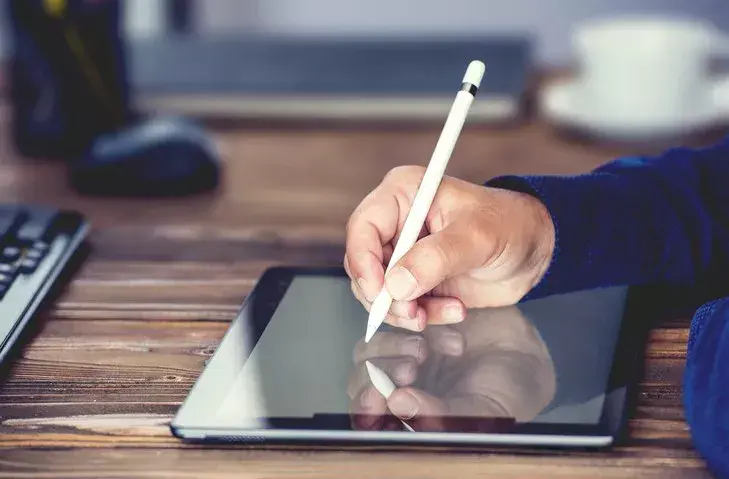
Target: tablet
[{"x": 292, "y": 367}]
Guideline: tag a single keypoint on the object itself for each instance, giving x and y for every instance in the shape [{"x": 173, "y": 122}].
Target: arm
[
  {"x": 662, "y": 219},
  {"x": 637, "y": 220},
  {"x": 706, "y": 389}
]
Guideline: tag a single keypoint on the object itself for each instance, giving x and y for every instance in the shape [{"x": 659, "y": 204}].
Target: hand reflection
[{"x": 481, "y": 375}]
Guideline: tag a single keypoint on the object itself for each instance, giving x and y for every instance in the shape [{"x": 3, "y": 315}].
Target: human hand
[
  {"x": 482, "y": 375},
  {"x": 480, "y": 247}
]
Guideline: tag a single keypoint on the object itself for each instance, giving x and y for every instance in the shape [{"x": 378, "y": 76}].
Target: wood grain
[{"x": 93, "y": 392}]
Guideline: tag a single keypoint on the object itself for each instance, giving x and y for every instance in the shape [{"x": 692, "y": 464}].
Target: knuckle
[
  {"x": 404, "y": 172},
  {"x": 443, "y": 253},
  {"x": 491, "y": 242}
]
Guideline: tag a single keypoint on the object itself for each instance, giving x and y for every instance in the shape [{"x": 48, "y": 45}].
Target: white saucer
[{"x": 559, "y": 104}]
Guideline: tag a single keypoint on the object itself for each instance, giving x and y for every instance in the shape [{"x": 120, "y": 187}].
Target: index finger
[{"x": 372, "y": 225}]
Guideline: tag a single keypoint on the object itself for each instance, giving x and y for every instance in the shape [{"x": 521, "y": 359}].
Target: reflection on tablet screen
[{"x": 543, "y": 362}]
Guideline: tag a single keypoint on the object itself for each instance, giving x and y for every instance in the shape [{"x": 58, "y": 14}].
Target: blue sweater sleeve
[
  {"x": 706, "y": 385},
  {"x": 637, "y": 220},
  {"x": 663, "y": 219}
]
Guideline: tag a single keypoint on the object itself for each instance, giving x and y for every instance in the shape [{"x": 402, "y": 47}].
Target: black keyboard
[{"x": 36, "y": 246}]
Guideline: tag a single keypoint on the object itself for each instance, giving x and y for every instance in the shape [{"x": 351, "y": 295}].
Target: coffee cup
[{"x": 649, "y": 69}]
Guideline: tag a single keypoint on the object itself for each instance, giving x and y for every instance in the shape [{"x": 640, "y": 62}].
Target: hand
[
  {"x": 480, "y": 247},
  {"x": 484, "y": 375}
]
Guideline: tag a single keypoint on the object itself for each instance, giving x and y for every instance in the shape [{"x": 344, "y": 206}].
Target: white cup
[{"x": 649, "y": 69}]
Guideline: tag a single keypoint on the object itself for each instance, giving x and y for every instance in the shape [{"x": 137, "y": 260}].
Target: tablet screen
[{"x": 544, "y": 362}]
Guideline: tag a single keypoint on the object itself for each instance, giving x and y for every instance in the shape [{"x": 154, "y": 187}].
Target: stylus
[
  {"x": 429, "y": 186},
  {"x": 383, "y": 384}
]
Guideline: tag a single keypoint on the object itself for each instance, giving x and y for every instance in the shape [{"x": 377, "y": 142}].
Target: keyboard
[{"x": 37, "y": 245}]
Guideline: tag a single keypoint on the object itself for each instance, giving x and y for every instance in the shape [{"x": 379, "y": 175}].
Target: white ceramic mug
[{"x": 649, "y": 68}]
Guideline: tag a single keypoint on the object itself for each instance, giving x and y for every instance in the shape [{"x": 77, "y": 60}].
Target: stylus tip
[
  {"x": 368, "y": 335},
  {"x": 378, "y": 313}
]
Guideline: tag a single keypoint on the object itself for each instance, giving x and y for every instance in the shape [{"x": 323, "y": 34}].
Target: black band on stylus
[{"x": 470, "y": 88}]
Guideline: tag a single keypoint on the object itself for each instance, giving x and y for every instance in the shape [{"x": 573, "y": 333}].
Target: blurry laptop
[{"x": 314, "y": 78}]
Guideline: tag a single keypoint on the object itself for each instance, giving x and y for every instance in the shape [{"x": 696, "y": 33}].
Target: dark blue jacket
[{"x": 662, "y": 219}]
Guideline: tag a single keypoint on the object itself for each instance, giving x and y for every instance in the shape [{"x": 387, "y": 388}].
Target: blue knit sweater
[{"x": 662, "y": 219}]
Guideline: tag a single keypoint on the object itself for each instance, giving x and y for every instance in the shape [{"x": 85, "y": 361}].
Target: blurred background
[
  {"x": 549, "y": 21},
  {"x": 627, "y": 71},
  {"x": 235, "y": 57}
]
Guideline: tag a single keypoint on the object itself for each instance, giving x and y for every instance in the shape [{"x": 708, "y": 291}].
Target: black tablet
[{"x": 555, "y": 371}]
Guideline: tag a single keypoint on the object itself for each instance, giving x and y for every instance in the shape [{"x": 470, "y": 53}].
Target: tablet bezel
[{"x": 267, "y": 295}]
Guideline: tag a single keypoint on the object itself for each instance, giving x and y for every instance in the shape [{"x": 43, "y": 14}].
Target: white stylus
[
  {"x": 429, "y": 186},
  {"x": 383, "y": 384}
]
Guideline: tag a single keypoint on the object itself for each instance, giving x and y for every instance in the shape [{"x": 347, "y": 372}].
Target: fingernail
[
  {"x": 363, "y": 287},
  {"x": 401, "y": 283},
  {"x": 404, "y": 405},
  {"x": 453, "y": 314}
]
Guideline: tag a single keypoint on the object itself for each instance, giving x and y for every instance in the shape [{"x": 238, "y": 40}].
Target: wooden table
[{"x": 94, "y": 391}]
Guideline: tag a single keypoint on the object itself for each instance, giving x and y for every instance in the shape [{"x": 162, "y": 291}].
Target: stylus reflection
[
  {"x": 384, "y": 385},
  {"x": 483, "y": 375}
]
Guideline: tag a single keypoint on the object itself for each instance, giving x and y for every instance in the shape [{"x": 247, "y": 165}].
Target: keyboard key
[
  {"x": 40, "y": 246},
  {"x": 30, "y": 263},
  {"x": 27, "y": 265},
  {"x": 34, "y": 254},
  {"x": 10, "y": 254},
  {"x": 9, "y": 269},
  {"x": 8, "y": 273},
  {"x": 6, "y": 281},
  {"x": 37, "y": 226}
]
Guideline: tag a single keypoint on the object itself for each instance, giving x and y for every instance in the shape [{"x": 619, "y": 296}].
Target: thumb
[{"x": 454, "y": 250}]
